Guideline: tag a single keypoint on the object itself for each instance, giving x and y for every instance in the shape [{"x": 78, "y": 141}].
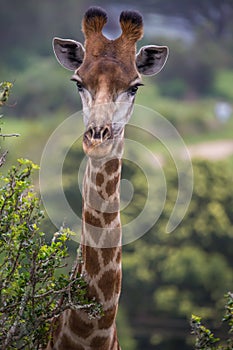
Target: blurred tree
[
  {"x": 212, "y": 15},
  {"x": 171, "y": 276},
  {"x": 37, "y": 95},
  {"x": 189, "y": 72},
  {"x": 30, "y": 27}
]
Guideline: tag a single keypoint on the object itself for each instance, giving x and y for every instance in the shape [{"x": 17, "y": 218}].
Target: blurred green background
[{"x": 166, "y": 278}]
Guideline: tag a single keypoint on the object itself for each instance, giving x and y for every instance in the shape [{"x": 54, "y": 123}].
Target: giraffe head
[{"x": 107, "y": 74}]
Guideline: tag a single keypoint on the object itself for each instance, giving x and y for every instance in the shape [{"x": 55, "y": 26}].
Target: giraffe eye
[
  {"x": 132, "y": 91},
  {"x": 79, "y": 86}
]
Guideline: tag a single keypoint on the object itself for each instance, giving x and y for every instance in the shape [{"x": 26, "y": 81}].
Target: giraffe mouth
[
  {"x": 97, "y": 149},
  {"x": 98, "y": 141}
]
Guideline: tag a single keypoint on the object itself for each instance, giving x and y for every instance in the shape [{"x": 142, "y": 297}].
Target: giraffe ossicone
[{"x": 107, "y": 74}]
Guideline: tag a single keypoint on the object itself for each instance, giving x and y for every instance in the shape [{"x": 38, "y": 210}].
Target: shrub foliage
[
  {"x": 32, "y": 291},
  {"x": 205, "y": 339}
]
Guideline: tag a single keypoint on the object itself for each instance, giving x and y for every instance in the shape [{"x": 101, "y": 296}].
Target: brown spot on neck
[
  {"x": 112, "y": 185},
  {"x": 112, "y": 166},
  {"x": 67, "y": 343},
  {"x": 90, "y": 219},
  {"x": 99, "y": 179},
  {"x": 109, "y": 217},
  {"x": 100, "y": 343},
  {"x": 110, "y": 283},
  {"x": 78, "y": 326},
  {"x": 108, "y": 255},
  {"x": 108, "y": 319},
  {"x": 92, "y": 265}
]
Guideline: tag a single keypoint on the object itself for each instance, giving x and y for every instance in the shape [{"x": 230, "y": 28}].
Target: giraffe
[{"x": 107, "y": 74}]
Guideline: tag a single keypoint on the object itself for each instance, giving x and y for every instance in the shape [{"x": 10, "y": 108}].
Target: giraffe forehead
[{"x": 107, "y": 75}]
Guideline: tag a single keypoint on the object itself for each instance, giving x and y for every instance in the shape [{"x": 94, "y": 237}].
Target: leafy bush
[
  {"x": 31, "y": 290},
  {"x": 5, "y": 88},
  {"x": 205, "y": 339}
]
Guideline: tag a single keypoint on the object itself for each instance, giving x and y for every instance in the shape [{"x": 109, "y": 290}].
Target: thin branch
[
  {"x": 3, "y": 158},
  {"x": 13, "y": 328},
  {"x": 54, "y": 292},
  {"x": 9, "y": 135}
]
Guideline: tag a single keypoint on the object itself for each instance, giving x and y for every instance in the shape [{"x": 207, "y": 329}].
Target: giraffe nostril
[
  {"x": 98, "y": 133},
  {"x": 106, "y": 133},
  {"x": 89, "y": 133}
]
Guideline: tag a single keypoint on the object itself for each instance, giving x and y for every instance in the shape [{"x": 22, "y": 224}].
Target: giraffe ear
[
  {"x": 69, "y": 53},
  {"x": 151, "y": 59}
]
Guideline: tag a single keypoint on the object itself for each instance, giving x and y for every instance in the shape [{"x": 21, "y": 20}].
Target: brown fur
[
  {"x": 92, "y": 266},
  {"x": 78, "y": 326},
  {"x": 109, "y": 217},
  {"x": 108, "y": 255},
  {"x": 108, "y": 319},
  {"x": 98, "y": 71},
  {"x": 118, "y": 258},
  {"x": 100, "y": 343},
  {"x": 68, "y": 344},
  {"x": 111, "y": 185},
  {"x": 112, "y": 165},
  {"x": 99, "y": 179},
  {"x": 121, "y": 50},
  {"x": 91, "y": 219},
  {"x": 109, "y": 284}
]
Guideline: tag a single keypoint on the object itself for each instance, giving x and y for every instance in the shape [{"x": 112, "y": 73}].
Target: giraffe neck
[
  {"x": 101, "y": 232},
  {"x": 101, "y": 203},
  {"x": 101, "y": 259},
  {"x": 101, "y": 240},
  {"x": 101, "y": 253}
]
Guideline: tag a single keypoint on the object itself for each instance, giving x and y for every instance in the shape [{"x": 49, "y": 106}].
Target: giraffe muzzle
[
  {"x": 97, "y": 141},
  {"x": 99, "y": 134}
]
